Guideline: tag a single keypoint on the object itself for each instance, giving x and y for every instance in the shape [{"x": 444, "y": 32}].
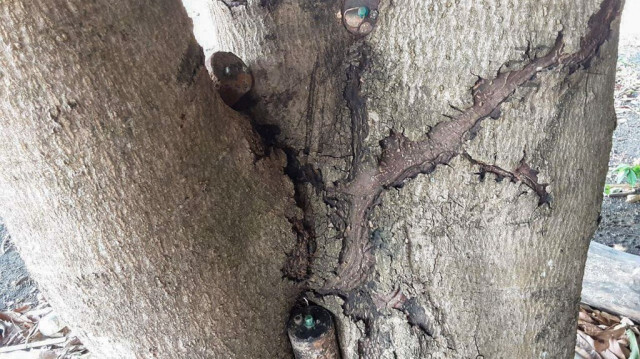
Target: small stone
[
  {"x": 365, "y": 28},
  {"x": 50, "y": 325}
]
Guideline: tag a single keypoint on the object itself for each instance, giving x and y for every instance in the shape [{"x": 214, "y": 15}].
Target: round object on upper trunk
[
  {"x": 231, "y": 75},
  {"x": 360, "y": 16}
]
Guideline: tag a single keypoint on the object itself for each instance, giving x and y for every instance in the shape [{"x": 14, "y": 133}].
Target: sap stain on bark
[
  {"x": 417, "y": 316},
  {"x": 192, "y": 60},
  {"x": 357, "y": 104},
  {"x": 270, "y": 5},
  {"x": 233, "y": 3},
  {"x": 298, "y": 264},
  {"x": 599, "y": 32},
  {"x": 299, "y": 260},
  {"x": 403, "y": 159},
  {"x": 415, "y": 313},
  {"x": 360, "y": 305}
]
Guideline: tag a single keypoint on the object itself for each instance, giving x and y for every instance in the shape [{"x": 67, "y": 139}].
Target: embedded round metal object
[
  {"x": 360, "y": 16},
  {"x": 312, "y": 333},
  {"x": 232, "y": 76}
]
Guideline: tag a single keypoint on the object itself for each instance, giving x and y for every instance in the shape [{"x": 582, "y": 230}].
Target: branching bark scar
[{"x": 403, "y": 159}]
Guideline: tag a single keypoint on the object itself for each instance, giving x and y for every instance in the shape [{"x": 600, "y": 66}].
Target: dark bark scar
[
  {"x": 192, "y": 61},
  {"x": 523, "y": 173},
  {"x": 233, "y": 3},
  {"x": 403, "y": 159}
]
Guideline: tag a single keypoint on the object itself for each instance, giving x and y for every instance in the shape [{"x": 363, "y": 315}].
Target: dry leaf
[
  {"x": 591, "y": 330},
  {"x": 13, "y": 317},
  {"x": 23, "y": 308},
  {"x": 633, "y": 198},
  {"x": 605, "y": 318},
  {"x": 612, "y": 319},
  {"x": 585, "y": 348},
  {"x": 603, "y": 339},
  {"x": 624, "y": 341},
  {"x": 614, "y": 347},
  {"x": 607, "y": 354},
  {"x": 583, "y": 316}
]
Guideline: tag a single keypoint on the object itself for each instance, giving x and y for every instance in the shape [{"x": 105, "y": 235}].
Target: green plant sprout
[
  {"x": 629, "y": 174},
  {"x": 633, "y": 345}
]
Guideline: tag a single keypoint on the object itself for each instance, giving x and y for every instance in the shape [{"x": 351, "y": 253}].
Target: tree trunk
[
  {"x": 444, "y": 172},
  {"x": 142, "y": 205}
]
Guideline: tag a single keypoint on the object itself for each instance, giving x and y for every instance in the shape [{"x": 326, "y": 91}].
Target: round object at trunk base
[{"x": 312, "y": 333}]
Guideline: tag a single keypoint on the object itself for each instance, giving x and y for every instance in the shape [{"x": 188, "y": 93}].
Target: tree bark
[
  {"x": 445, "y": 172},
  {"x": 143, "y": 206}
]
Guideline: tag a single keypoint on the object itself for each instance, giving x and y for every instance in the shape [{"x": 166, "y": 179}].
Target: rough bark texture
[
  {"x": 445, "y": 172},
  {"x": 462, "y": 148},
  {"x": 140, "y": 202}
]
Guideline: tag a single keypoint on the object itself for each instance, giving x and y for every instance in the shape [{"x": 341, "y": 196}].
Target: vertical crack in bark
[
  {"x": 298, "y": 266},
  {"x": 357, "y": 105},
  {"x": 403, "y": 159},
  {"x": 305, "y": 178},
  {"x": 311, "y": 102},
  {"x": 475, "y": 340}
]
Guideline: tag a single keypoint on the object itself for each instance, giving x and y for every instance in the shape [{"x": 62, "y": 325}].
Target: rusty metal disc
[
  {"x": 231, "y": 75},
  {"x": 312, "y": 333}
]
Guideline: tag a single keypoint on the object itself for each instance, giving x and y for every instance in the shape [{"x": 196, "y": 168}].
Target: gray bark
[
  {"x": 445, "y": 172},
  {"x": 139, "y": 201}
]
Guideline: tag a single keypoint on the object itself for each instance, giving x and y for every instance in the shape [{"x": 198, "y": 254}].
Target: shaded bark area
[{"x": 147, "y": 210}]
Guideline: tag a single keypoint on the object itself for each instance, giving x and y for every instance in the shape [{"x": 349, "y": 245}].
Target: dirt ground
[
  {"x": 16, "y": 286},
  {"x": 620, "y": 224}
]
